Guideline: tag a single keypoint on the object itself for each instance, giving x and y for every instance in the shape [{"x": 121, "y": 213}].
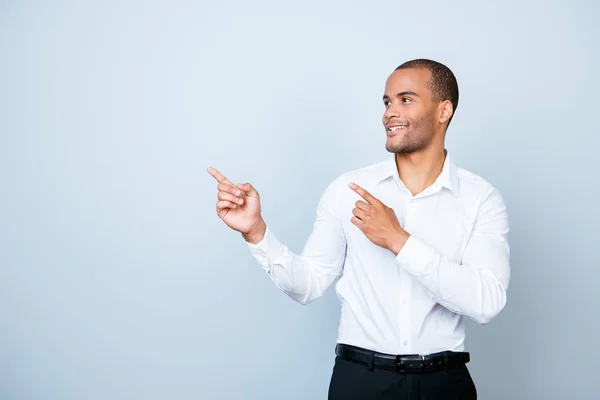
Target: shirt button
[{"x": 405, "y": 343}]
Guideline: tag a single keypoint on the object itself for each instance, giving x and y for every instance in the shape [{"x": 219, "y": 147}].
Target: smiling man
[{"x": 420, "y": 244}]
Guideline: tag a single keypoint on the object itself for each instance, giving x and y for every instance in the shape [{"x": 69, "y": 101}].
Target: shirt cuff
[
  {"x": 261, "y": 246},
  {"x": 267, "y": 249},
  {"x": 416, "y": 257}
]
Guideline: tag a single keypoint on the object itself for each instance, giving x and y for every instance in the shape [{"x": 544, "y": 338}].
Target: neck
[{"x": 419, "y": 170}]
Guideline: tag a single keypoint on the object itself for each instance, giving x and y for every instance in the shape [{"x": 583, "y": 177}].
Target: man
[{"x": 421, "y": 243}]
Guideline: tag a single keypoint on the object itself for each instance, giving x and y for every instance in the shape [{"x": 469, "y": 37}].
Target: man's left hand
[{"x": 377, "y": 221}]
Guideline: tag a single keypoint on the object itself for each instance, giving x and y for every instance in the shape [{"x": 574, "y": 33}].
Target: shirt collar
[{"x": 448, "y": 178}]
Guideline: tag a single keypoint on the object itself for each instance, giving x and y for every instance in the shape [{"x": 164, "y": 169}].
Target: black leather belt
[{"x": 403, "y": 363}]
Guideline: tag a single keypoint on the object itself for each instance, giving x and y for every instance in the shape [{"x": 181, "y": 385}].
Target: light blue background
[{"x": 117, "y": 279}]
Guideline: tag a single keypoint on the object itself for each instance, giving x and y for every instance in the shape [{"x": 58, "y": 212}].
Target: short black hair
[{"x": 443, "y": 85}]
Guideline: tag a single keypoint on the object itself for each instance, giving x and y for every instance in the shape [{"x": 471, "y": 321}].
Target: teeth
[{"x": 394, "y": 128}]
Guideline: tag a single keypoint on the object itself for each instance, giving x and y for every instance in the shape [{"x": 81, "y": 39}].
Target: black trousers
[{"x": 351, "y": 380}]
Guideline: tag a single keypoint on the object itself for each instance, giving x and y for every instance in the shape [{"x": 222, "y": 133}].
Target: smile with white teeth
[{"x": 395, "y": 128}]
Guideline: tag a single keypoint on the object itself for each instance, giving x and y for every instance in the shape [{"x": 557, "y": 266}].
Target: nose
[{"x": 391, "y": 111}]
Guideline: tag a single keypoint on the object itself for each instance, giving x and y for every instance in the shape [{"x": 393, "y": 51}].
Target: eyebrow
[{"x": 409, "y": 93}]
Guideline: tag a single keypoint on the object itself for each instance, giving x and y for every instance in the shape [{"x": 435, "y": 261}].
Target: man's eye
[
  {"x": 386, "y": 103},
  {"x": 406, "y": 100}
]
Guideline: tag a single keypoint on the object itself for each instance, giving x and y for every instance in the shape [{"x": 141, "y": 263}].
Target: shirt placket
[{"x": 406, "y": 338}]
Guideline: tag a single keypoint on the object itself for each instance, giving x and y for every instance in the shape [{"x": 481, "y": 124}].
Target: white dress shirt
[{"x": 454, "y": 264}]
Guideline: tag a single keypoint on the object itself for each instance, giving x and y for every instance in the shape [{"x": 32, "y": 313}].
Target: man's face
[{"x": 410, "y": 113}]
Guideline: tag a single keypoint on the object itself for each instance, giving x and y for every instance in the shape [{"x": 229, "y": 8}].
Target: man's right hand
[{"x": 239, "y": 207}]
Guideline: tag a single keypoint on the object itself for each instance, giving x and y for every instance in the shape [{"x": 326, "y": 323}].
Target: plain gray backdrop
[{"x": 117, "y": 279}]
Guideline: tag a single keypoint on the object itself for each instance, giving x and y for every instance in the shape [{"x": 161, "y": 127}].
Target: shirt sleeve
[
  {"x": 477, "y": 286},
  {"x": 306, "y": 276}
]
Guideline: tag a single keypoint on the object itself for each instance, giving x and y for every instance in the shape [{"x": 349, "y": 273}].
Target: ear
[{"x": 446, "y": 111}]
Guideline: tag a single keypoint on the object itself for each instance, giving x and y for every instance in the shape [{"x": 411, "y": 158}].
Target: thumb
[{"x": 248, "y": 188}]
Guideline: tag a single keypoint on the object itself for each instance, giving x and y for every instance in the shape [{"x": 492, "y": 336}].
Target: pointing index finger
[
  {"x": 218, "y": 176},
  {"x": 369, "y": 198}
]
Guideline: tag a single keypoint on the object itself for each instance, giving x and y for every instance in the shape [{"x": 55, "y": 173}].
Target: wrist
[
  {"x": 397, "y": 241},
  {"x": 256, "y": 234}
]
